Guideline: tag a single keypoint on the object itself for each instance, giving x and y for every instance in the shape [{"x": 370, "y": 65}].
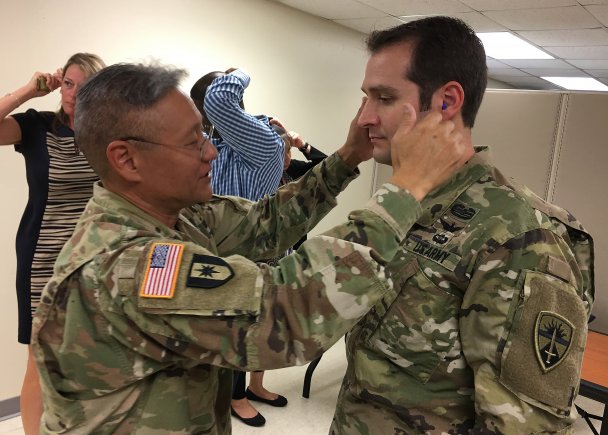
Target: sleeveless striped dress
[{"x": 60, "y": 183}]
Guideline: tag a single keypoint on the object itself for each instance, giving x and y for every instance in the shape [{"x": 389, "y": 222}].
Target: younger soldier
[{"x": 485, "y": 326}]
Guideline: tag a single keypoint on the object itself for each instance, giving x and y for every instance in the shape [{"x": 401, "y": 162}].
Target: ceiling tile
[
  {"x": 334, "y": 9},
  {"x": 499, "y": 73},
  {"x": 556, "y": 72},
  {"x": 479, "y": 22},
  {"x": 418, "y": 7},
  {"x": 589, "y": 63},
  {"x": 600, "y": 13},
  {"x": 569, "y": 29},
  {"x": 566, "y": 38},
  {"x": 509, "y": 74},
  {"x": 536, "y": 63},
  {"x": 493, "y": 63},
  {"x": 499, "y": 5},
  {"x": 600, "y": 73},
  {"x": 366, "y": 25},
  {"x": 530, "y": 83},
  {"x": 597, "y": 52},
  {"x": 569, "y": 17}
]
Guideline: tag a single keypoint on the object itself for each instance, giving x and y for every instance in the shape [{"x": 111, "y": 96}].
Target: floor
[{"x": 309, "y": 416}]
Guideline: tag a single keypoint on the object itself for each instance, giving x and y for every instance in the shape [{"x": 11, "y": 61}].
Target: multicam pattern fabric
[
  {"x": 112, "y": 361},
  {"x": 452, "y": 349}
]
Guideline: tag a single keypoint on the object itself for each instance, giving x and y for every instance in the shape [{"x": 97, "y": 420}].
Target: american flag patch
[{"x": 161, "y": 270}]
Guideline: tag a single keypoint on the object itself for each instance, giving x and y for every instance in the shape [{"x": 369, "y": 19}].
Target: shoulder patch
[
  {"x": 161, "y": 270},
  {"x": 552, "y": 339},
  {"x": 207, "y": 271}
]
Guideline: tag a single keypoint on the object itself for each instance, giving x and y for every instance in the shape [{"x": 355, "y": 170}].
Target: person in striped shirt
[{"x": 249, "y": 165}]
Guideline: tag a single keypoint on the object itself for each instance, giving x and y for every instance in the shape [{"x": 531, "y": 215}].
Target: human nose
[
  {"x": 368, "y": 116},
  {"x": 208, "y": 150}
]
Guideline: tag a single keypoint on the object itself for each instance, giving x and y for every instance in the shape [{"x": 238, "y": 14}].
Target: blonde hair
[{"x": 89, "y": 64}]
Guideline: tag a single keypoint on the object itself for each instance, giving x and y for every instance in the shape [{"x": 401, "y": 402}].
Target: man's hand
[
  {"x": 358, "y": 147},
  {"x": 426, "y": 153}
]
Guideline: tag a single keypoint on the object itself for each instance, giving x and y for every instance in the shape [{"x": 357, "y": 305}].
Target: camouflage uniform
[
  {"x": 121, "y": 353},
  {"x": 486, "y": 326}
]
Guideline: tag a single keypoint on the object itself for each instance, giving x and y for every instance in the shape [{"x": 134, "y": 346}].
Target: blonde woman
[{"x": 60, "y": 183}]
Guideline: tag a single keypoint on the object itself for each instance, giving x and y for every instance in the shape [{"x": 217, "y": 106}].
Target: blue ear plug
[{"x": 444, "y": 106}]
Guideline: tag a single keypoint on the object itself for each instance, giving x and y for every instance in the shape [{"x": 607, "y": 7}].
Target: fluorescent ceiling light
[
  {"x": 577, "y": 83},
  {"x": 505, "y": 45}
]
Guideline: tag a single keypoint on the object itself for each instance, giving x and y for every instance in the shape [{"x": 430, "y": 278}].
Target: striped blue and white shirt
[{"x": 250, "y": 154}]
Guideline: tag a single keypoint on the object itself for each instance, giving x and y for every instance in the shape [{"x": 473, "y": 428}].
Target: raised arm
[
  {"x": 10, "y": 132},
  {"x": 250, "y": 137}
]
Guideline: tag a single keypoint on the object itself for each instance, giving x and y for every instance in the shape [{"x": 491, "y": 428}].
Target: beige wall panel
[
  {"x": 582, "y": 180},
  {"x": 520, "y": 128}
]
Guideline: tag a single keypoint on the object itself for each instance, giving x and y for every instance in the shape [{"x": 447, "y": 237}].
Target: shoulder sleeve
[
  {"x": 229, "y": 311},
  {"x": 32, "y": 124},
  {"x": 523, "y": 329},
  {"x": 267, "y": 228}
]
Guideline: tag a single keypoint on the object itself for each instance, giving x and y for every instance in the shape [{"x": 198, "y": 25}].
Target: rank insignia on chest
[
  {"x": 552, "y": 339},
  {"x": 161, "y": 270},
  {"x": 463, "y": 212},
  {"x": 207, "y": 271}
]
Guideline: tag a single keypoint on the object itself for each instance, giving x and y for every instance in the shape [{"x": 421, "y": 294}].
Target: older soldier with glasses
[{"x": 153, "y": 302}]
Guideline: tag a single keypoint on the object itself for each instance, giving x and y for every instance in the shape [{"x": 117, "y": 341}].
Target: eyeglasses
[
  {"x": 207, "y": 134},
  {"x": 208, "y": 131}
]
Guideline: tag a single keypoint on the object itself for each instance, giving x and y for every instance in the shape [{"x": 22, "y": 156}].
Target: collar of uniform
[
  {"x": 118, "y": 204},
  {"x": 442, "y": 198}
]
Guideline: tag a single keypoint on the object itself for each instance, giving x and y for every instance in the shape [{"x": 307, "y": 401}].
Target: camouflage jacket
[
  {"x": 140, "y": 325},
  {"x": 485, "y": 329}
]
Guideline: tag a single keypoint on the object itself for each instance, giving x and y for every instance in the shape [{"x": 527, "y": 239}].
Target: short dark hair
[
  {"x": 285, "y": 136},
  {"x": 199, "y": 89},
  {"x": 115, "y": 103},
  {"x": 444, "y": 49}
]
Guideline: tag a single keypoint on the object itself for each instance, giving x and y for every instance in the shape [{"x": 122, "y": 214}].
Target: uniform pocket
[{"x": 420, "y": 327}]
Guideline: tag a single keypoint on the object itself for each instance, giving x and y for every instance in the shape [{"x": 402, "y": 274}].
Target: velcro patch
[
  {"x": 161, "y": 270},
  {"x": 207, "y": 271}
]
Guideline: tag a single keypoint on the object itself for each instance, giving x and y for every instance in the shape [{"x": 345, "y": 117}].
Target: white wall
[{"x": 305, "y": 71}]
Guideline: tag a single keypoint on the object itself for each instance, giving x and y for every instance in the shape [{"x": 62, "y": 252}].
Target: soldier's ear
[
  {"x": 122, "y": 159},
  {"x": 451, "y": 96}
]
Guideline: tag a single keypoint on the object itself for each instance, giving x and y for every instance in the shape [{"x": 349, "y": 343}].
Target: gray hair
[{"x": 115, "y": 102}]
